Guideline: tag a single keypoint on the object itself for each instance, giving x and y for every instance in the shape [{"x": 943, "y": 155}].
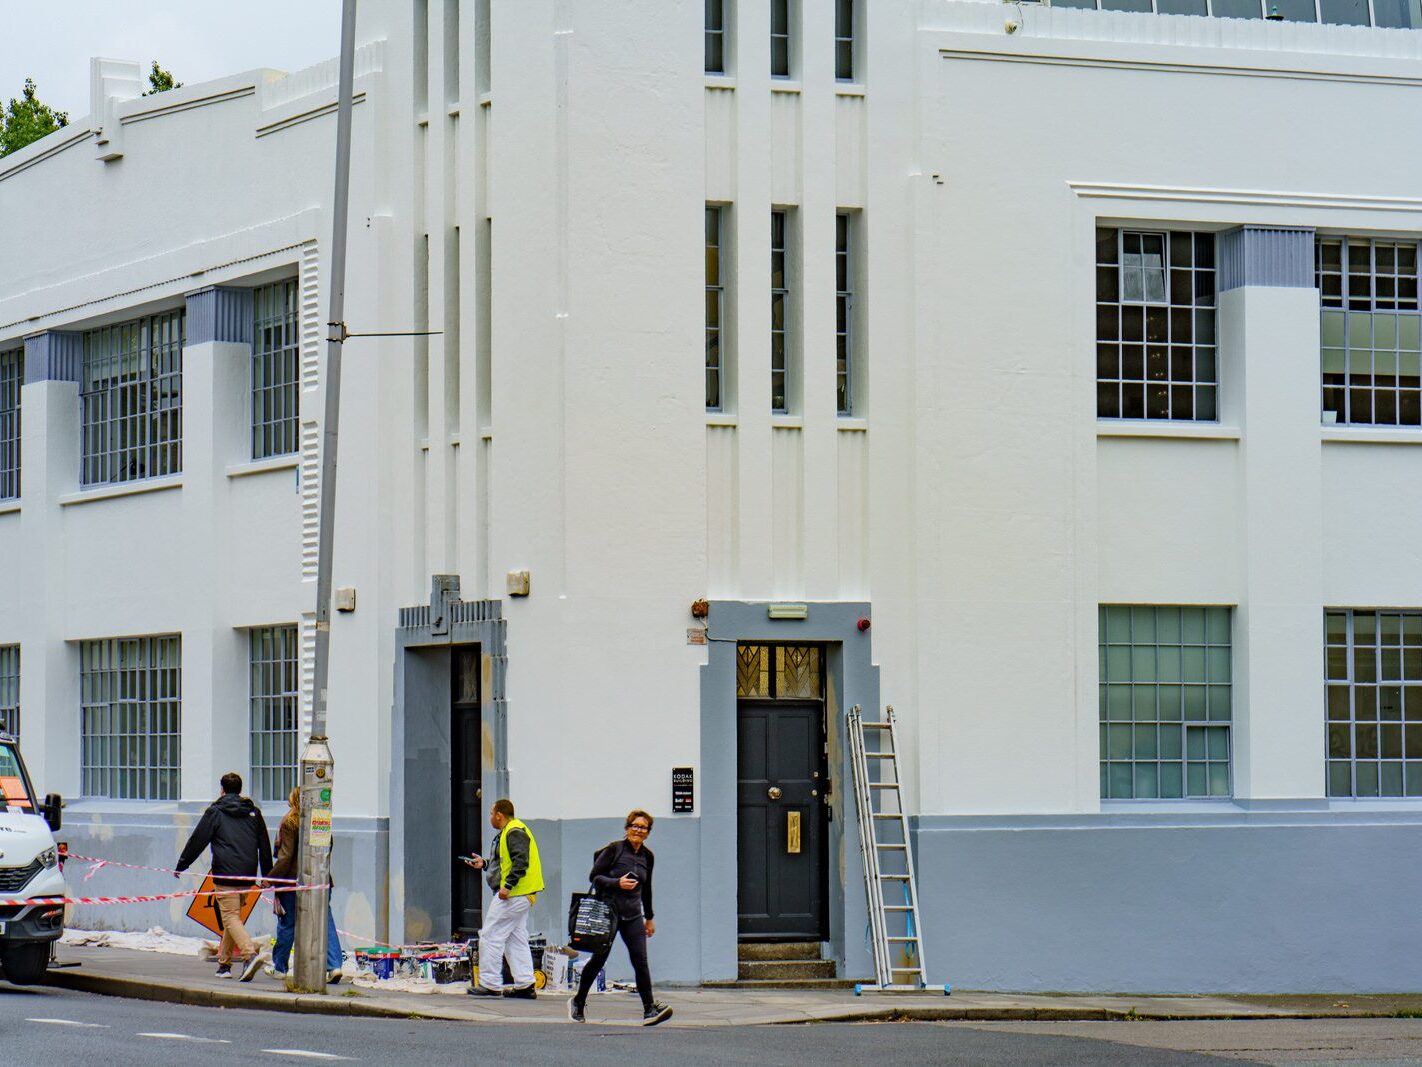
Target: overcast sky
[{"x": 197, "y": 40}]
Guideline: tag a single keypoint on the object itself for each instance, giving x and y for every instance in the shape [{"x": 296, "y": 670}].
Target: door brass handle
[{"x": 773, "y": 792}]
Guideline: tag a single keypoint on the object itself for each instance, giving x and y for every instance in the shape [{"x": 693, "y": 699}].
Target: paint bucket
[{"x": 382, "y": 964}]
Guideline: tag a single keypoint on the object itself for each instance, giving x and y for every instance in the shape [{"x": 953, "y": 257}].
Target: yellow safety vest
[{"x": 532, "y": 880}]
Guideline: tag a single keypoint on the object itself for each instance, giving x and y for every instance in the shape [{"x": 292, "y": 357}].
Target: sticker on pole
[
  {"x": 320, "y": 828},
  {"x": 203, "y": 909}
]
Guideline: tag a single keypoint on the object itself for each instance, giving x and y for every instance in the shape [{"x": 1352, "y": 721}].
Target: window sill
[
  {"x": 725, "y": 83},
  {"x": 787, "y": 422},
  {"x": 262, "y": 466},
  {"x": 849, "y": 89},
  {"x": 1363, "y": 435},
  {"x": 9, "y": 507},
  {"x": 720, "y": 418},
  {"x": 784, "y": 85},
  {"x": 108, "y": 492},
  {"x": 846, "y": 424},
  {"x": 1190, "y": 431}
]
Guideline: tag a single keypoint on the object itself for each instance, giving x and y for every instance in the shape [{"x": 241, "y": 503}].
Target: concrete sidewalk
[{"x": 189, "y": 980}]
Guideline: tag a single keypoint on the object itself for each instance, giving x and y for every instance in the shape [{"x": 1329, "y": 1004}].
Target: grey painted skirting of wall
[
  {"x": 153, "y": 836},
  {"x": 1238, "y": 900},
  {"x": 1266, "y": 255},
  {"x": 420, "y": 801},
  {"x": 53, "y": 356},
  {"x": 219, "y": 313},
  {"x": 851, "y": 678}
]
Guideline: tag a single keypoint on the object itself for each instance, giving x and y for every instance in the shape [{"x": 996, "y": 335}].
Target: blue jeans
[{"x": 286, "y": 933}]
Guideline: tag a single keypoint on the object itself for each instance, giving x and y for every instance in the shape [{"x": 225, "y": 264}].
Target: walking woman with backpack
[{"x": 622, "y": 874}]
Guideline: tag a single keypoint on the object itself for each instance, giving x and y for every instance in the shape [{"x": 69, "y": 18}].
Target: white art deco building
[{"x": 1063, "y": 363}]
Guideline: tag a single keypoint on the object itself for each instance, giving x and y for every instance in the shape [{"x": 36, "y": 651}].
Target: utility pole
[{"x": 317, "y": 767}]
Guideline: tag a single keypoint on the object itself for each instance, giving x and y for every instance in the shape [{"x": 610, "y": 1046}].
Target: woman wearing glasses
[{"x": 622, "y": 875}]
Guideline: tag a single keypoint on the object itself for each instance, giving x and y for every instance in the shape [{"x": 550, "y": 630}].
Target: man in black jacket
[{"x": 241, "y": 849}]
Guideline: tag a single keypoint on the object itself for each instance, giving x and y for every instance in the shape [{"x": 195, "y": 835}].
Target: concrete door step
[
  {"x": 778, "y": 951},
  {"x": 784, "y": 983},
  {"x": 775, "y": 970}
]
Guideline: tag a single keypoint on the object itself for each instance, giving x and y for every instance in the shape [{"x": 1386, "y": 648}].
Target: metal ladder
[{"x": 888, "y": 860}]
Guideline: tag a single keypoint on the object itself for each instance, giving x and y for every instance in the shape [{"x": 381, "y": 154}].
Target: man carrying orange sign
[{"x": 241, "y": 851}]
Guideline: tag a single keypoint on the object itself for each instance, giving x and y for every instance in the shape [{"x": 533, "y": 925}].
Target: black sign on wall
[{"x": 683, "y": 791}]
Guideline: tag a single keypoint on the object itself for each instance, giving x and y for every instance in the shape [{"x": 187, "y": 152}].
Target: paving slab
[{"x": 190, "y": 980}]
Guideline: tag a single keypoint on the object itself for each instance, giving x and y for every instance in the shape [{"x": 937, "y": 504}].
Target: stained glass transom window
[{"x": 779, "y": 672}]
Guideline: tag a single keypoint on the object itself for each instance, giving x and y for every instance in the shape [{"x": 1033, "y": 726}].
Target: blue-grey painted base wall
[
  {"x": 1241, "y": 901},
  {"x": 154, "y": 834}
]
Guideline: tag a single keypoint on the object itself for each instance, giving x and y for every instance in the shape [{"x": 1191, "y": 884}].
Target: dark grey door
[
  {"x": 465, "y": 737},
  {"x": 781, "y": 839}
]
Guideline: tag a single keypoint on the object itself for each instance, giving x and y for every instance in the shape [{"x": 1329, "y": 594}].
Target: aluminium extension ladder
[{"x": 888, "y": 860}]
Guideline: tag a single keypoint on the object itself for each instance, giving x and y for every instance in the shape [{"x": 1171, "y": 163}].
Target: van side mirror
[{"x": 53, "y": 810}]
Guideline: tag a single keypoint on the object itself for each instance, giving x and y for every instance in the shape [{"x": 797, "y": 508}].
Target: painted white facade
[{"x": 557, "y": 424}]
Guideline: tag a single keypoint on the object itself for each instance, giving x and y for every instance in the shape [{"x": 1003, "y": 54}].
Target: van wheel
[{"x": 24, "y": 962}]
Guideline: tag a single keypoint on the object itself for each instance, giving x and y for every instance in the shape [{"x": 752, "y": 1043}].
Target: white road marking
[
  {"x": 68, "y": 1022},
  {"x": 303, "y": 1053},
  {"x": 190, "y": 1037}
]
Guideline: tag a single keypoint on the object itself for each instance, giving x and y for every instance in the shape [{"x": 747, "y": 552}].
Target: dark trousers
[{"x": 634, "y": 936}]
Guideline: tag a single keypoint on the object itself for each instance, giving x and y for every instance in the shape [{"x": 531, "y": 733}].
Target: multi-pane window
[
  {"x": 1165, "y": 701},
  {"x": 1404, "y": 14},
  {"x": 131, "y": 701},
  {"x": 843, "y": 298},
  {"x": 131, "y": 397},
  {"x": 1370, "y": 331},
  {"x": 1374, "y": 703},
  {"x": 715, "y": 36},
  {"x": 779, "y": 314},
  {"x": 12, "y": 376},
  {"x": 1155, "y": 325},
  {"x": 276, "y": 710},
  {"x": 10, "y": 690},
  {"x": 715, "y": 309},
  {"x": 276, "y": 371},
  {"x": 844, "y": 40},
  {"x": 780, "y": 38}
]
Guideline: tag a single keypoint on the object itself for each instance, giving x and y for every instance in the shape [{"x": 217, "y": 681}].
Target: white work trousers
[{"x": 505, "y": 935}]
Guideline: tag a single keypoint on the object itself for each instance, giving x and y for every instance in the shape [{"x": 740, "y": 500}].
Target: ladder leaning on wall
[{"x": 888, "y": 860}]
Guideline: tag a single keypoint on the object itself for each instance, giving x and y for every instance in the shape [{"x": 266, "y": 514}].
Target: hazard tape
[
  {"x": 99, "y": 864},
  {"x": 151, "y": 898}
]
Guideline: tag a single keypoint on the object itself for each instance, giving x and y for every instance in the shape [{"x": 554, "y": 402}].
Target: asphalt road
[{"x": 39, "y": 1027}]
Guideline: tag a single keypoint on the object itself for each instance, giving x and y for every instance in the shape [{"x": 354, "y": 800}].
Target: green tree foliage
[
  {"x": 27, "y": 119},
  {"x": 161, "y": 80}
]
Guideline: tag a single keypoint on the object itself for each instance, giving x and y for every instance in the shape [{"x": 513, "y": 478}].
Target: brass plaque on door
[{"x": 792, "y": 832}]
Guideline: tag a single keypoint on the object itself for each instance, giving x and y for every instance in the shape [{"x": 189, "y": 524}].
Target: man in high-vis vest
[{"x": 515, "y": 875}]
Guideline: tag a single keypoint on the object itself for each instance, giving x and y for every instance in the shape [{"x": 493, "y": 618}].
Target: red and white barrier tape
[
  {"x": 98, "y": 864},
  {"x": 149, "y": 898}
]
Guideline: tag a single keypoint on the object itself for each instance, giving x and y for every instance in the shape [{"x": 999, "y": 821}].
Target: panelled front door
[
  {"x": 467, "y": 823},
  {"x": 782, "y": 825}
]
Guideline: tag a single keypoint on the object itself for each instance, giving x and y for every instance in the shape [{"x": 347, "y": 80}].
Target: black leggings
[{"x": 634, "y": 936}]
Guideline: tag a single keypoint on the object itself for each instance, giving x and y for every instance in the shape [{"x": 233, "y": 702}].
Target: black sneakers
[
  {"x": 224, "y": 970},
  {"x": 575, "y": 1011},
  {"x": 657, "y": 1013},
  {"x": 476, "y": 990},
  {"x": 522, "y": 993}
]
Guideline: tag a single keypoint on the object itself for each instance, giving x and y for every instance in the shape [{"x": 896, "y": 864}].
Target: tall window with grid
[
  {"x": 1371, "y": 331},
  {"x": 1374, "y": 703},
  {"x": 131, "y": 701},
  {"x": 715, "y": 36},
  {"x": 1165, "y": 701},
  {"x": 1384, "y": 13},
  {"x": 276, "y": 371},
  {"x": 1155, "y": 325},
  {"x": 715, "y": 309},
  {"x": 779, "y": 314},
  {"x": 780, "y": 38},
  {"x": 844, "y": 40},
  {"x": 131, "y": 399},
  {"x": 276, "y": 710},
  {"x": 10, "y": 690},
  {"x": 12, "y": 376},
  {"x": 843, "y": 299}
]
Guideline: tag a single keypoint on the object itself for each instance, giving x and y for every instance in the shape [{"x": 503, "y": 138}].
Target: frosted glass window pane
[{"x": 1170, "y": 781}]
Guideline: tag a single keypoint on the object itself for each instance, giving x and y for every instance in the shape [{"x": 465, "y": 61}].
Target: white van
[{"x": 29, "y": 867}]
